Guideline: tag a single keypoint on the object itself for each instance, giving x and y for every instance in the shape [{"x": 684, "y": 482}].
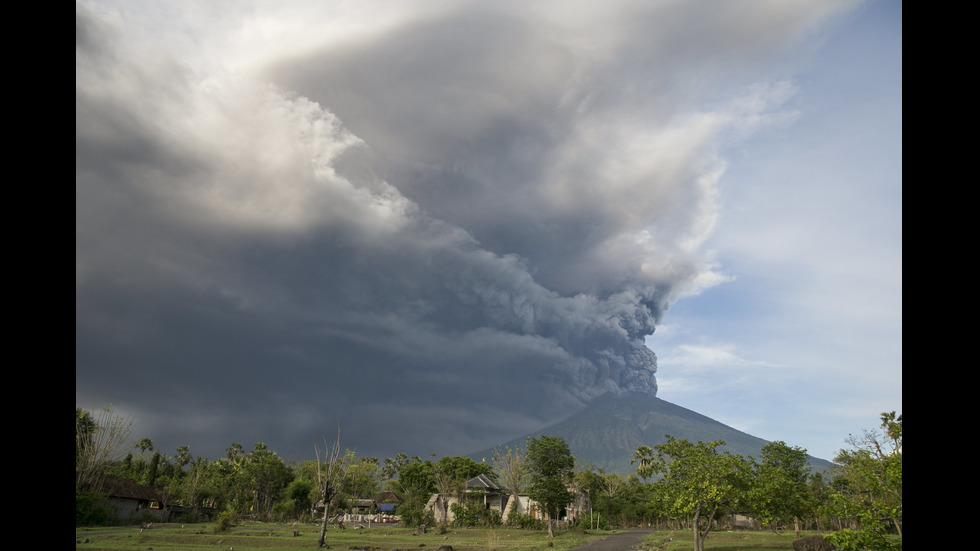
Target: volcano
[{"x": 608, "y": 430}]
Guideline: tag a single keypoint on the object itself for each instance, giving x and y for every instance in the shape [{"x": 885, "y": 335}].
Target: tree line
[
  {"x": 678, "y": 484},
  {"x": 858, "y": 500}
]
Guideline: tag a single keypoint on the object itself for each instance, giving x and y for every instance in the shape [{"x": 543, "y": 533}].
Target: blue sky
[
  {"x": 804, "y": 343},
  {"x": 448, "y": 224}
]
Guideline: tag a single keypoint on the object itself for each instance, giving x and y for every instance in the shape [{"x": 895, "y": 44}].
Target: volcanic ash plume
[{"x": 287, "y": 217}]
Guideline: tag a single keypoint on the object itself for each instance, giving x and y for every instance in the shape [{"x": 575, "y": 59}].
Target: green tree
[
  {"x": 392, "y": 465},
  {"x": 417, "y": 477},
  {"x": 153, "y": 471},
  {"x": 550, "y": 468},
  {"x": 362, "y": 478},
  {"x": 463, "y": 468},
  {"x": 144, "y": 445},
  {"x": 697, "y": 482},
  {"x": 183, "y": 457},
  {"x": 819, "y": 490},
  {"x": 264, "y": 475},
  {"x": 781, "y": 494},
  {"x": 867, "y": 485},
  {"x": 235, "y": 451},
  {"x": 296, "y": 501},
  {"x": 415, "y": 482},
  {"x": 212, "y": 484},
  {"x": 608, "y": 500}
]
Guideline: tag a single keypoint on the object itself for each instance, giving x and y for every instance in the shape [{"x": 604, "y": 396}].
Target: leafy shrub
[
  {"x": 464, "y": 517},
  {"x": 90, "y": 511},
  {"x": 286, "y": 510},
  {"x": 474, "y": 513},
  {"x": 493, "y": 518},
  {"x": 415, "y": 514},
  {"x": 594, "y": 523},
  {"x": 525, "y": 522},
  {"x": 224, "y": 520},
  {"x": 856, "y": 540}
]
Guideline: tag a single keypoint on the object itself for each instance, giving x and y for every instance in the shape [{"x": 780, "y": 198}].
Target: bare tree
[
  {"x": 99, "y": 440},
  {"x": 512, "y": 472},
  {"x": 332, "y": 467},
  {"x": 448, "y": 487}
]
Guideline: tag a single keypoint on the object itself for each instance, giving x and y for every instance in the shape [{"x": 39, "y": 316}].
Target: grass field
[
  {"x": 280, "y": 537},
  {"x": 721, "y": 540}
]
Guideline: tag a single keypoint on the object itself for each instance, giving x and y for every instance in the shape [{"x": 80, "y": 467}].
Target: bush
[
  {"x": 855, "y": 540},
  {"x": 285, "y": 511},
  {"x": 493, "y": 518},
  {"x": 525, "y": 522},
  {"x": 474, "y": 513},
  {"x": 224, "y": 520},
  {"x": 595, "y": 523},
  {"x": 414, "y": 514},
  {"x": 90, "y": 511},
  {"x": 464, "y": 517}
]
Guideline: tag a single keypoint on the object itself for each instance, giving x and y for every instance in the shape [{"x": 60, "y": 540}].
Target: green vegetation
[
  {"x": 867, "y": 488},
  {"x": 550, "y": 465},
  {"x": 862, "y": 504},
  {"x": 699, "y": 494},
  {"x": 723, "y": 540},
  {"x": 698, "y": 483}
]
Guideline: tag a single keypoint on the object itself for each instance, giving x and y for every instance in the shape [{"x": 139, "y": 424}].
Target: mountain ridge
[{"x": 610, "y": 428}]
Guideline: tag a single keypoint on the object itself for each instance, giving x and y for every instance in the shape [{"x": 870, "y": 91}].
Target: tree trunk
[
  {"x": 444, "y": 525},
  {"x": 698, "y": 542},
  {"x": 323, "y": 527}
]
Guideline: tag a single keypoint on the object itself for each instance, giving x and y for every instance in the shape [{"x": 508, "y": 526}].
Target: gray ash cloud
[{"x": 444, "y": 234}]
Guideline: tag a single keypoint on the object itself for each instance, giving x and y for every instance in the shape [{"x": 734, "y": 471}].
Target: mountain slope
[{"x": 611, "y": 427}]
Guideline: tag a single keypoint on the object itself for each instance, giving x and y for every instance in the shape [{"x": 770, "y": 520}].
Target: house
[
  {"x": 491, "y": 493},
  {"x": 129, "y": 503},
  {"x": 482, "y": 487},
  {"x": 522, "y": 504},
  {"x": 493, "y": 497},
  {"x": 387, "y": 501},
  {"x": 362, "y": 506},
  {"x": 380, "y": 508}
]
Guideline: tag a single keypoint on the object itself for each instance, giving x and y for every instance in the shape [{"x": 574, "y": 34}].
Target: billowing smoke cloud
[{"x": 444, "y": 226}]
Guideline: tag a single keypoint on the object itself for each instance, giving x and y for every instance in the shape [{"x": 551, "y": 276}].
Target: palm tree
[
  {"x": 183, "y": 457},
  {"x": 144, "y": 444},
  {"x": 644, "y": 456}
]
